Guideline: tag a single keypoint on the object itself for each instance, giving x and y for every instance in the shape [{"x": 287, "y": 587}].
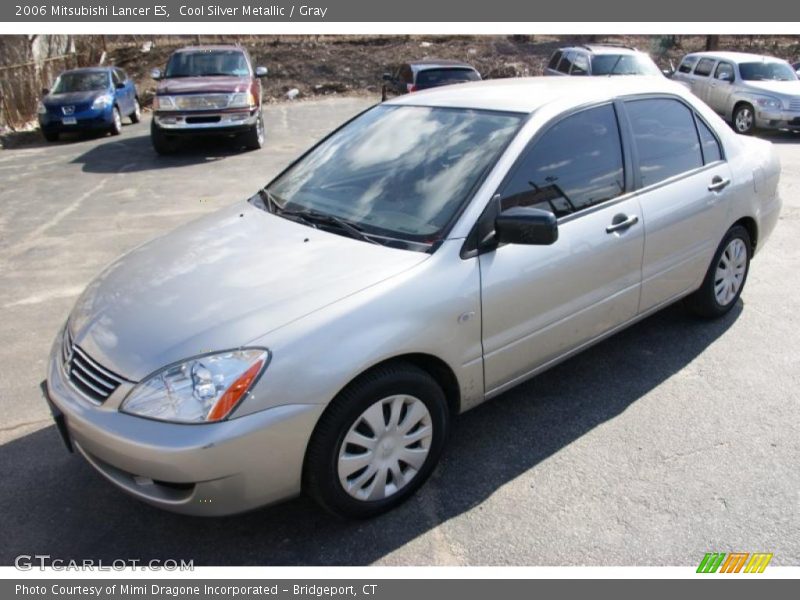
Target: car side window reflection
[
  {"x": 576, "y": 164},
  {"x": 665, "y": 137}
]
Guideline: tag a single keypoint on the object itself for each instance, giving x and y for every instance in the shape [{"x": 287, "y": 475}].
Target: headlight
[
  {"x": 772, "y": 103},
  {"x": 41, "y": 108},
  {"x": 198, "y": 390},
  {"x": 242, "y": 100},
  {"x": 103, "y": 101},
  {"x": 164, "y": 103}
]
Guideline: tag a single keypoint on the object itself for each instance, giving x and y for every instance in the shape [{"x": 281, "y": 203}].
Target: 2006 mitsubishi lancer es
[{"x": 426, "y": 256}]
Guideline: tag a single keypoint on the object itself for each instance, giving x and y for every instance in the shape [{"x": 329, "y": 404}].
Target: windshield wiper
[{"x": 313, "y": 218}]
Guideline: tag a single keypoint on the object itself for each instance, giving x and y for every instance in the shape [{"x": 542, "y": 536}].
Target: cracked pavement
[{"x": 674, "y": 438}]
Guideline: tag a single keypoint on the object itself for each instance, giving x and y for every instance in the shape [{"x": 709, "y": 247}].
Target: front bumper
[
  {"x": 87, "y": 120},
  {"x": 777, "y": 119},
  {"x": 206, "y": 123},
  {"x": 200, "y": 469}
]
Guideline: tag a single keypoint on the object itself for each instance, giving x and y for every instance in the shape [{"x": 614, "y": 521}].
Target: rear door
[
  {"x": 540, "y": 302},
  {"x": 683, "y": 180},
  {"x": 702, "y": 77}
]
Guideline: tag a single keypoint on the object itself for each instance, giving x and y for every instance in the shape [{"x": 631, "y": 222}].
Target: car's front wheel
[
  {"x": 116, "y": 122},
  {"x": 136, "y": 115},
  {"x": 254, "y": 137},
  {"x": 744, "y": 119},
  {"x": 377, "y": 442},
  {"x": 726, "y": 276}
]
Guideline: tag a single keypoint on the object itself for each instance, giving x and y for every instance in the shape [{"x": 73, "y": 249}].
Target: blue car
[{"x": 90, "y": 99}]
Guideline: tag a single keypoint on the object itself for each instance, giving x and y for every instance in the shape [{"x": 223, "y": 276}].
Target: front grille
[
  {"x": 794, "y": 104},
  {"x": 202, "y": 101},
  {"x": 91, "y": 379}
]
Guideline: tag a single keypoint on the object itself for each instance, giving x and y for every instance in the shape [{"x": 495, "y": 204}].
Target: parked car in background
[
  {"x": 600, "y": 59},
  {"x": 796, "y": 67},
  {"x": 426, "y": 74},
  {"x": 208, "y": 90},
  {"x": 89, "y": 99},
  {"x": 749, "y": 91},
  {"x": 282, "y": 344}
]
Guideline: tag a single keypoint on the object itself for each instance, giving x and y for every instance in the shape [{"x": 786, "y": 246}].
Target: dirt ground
[{"x": 325, "y": 65}]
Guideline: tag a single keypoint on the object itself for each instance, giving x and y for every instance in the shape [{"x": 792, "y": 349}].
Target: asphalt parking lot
[{"x": 675, "y": 438}]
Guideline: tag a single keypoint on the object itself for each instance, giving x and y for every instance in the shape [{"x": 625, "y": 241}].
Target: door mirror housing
[
  {"x": 119, "y": 85},
  {"x": 155, "y": 74},
  {"x": 45, "y": 91},
  {"x": 527, "y": 226},
  {"x": 261, "y": 71}
]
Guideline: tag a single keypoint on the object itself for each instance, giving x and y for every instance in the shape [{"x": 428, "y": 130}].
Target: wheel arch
[{"x": 749, "y": 223}]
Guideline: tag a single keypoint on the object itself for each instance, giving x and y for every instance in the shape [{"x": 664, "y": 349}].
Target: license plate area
[
  {"x": 69, "y": 121},
  {"x": 58, "y": 417}
]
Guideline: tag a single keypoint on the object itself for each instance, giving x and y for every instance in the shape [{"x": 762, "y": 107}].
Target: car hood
[
  {"x": 219, "y": 283},
  {"x": 72, "y": 98},
  {"x": 196, "y": 85},
  {"x": 789, "y": 88}
]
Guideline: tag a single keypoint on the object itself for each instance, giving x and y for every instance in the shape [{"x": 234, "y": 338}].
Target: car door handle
[
  {"x": 718, "y": 184},
  {"x": 622, "y": 222}
]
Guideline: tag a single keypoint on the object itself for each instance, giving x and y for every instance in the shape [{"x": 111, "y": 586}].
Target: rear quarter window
[
  {"x": 704, "y": 67},
  {"x": 554, "y": 59},
  {"x": 687, "y": 64}
]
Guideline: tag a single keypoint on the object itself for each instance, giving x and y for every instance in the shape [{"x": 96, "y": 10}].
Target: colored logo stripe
[{"x": 735, "y": 561}]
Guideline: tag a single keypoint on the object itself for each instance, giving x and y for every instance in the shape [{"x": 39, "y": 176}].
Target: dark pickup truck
[{"x": 208, "y": 90}]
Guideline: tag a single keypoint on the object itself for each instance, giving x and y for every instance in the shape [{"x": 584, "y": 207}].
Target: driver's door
[{"x": 539, "y": 302}]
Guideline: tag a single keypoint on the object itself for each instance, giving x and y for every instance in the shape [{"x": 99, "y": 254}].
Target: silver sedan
[{"x": 431, "y": 253}]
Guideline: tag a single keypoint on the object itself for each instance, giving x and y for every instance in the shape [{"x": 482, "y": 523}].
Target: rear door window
[
  {"x": 566, "y": 62},
  {"x": 666, "y": 138},
  {"x": 580, "y": 65},
  {"x": 554, "y": 59},
  {"x": 704, "y": 67}
]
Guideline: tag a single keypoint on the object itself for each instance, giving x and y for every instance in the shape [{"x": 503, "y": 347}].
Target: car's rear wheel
[
  {"x": 136, "y": 115},
  {"x": 254, "y": 137},
  {"x": 744, "y": 119},
  {"x": 726, "y": 276},
  {"x": 50, "y": 136},
  {"x": 377, "y": 442},
  {"x": 116, "y": 122},
  {"x": 162, "y": 144}
]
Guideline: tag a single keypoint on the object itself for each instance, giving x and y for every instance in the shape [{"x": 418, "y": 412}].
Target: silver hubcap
[
  {"x": 385, "y": 448},
  {"x": 260, "y": 131},
  {"x": 138, "y": 109},
  {"x": 744, "y": 119},
  {"x": 117, "y": 120},
  {"x": 730, "y": 272}
]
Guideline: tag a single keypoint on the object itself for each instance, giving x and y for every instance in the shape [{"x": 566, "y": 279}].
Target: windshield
[
  {"x": 623, "y": 64},
  {"x": 207, "y": 63},
  {"x": 81, "y": 82},
  {"x": 400, "y": 171},
  {"x": 434, "y": 77},
  {"x": 767, "y": 71}
]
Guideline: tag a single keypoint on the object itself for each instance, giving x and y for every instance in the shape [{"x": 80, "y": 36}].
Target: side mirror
[
  {"x": 261, "y": 71},
  {"x": 525, "y": 225},
  {"x": 45, "y": 91},
  {"x": 119, "y": 85},
  {"x": 387, "y": 76},
  {"x": 155, "y": 74}
]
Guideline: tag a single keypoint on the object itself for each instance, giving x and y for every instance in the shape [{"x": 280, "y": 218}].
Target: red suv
[{"x": 208, "y": 90}]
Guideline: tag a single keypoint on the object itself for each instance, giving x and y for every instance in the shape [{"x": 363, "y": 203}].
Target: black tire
[
  {"x": 136, "y": 115},
  {"x": 116, "y": 124},
  {"x": 253, "y": 139},
  {"x": 704, "y": 302},
  {"x": 50, "y": 136},
  {"x": 747, "y": 126},
  {"x": 162, "y": 144},
  {"x": 320, "y": 472}
]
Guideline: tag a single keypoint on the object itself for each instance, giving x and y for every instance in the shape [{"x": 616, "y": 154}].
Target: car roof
[
  {"x": 432, "y": 63},
  {"x": 527, "y": 94},
  {"x": 737, "y": 57},
  {"x": 603, "y": 49},
  {"x": 89, "y": 70},
  {"x": 210, "y": 47}
]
